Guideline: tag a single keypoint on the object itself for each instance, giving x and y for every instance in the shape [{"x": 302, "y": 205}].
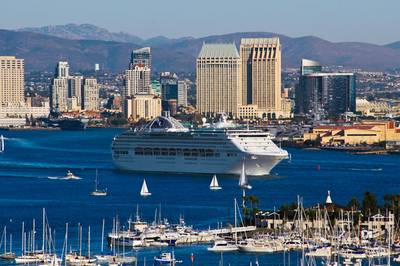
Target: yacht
[
  {"x": 221, "y": 245},
  {"x": 165, "y": 145}
]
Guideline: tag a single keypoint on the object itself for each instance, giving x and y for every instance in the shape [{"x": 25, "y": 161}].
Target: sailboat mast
[
  {"x": 89, "y": 242},
  {"x": 5, "y": 239},
  {"x": 33, "y": 235},
  {"x": 102, "y": 237},
  {"x": 43, "y": 228},
  {"x": 23, "y": 238}
]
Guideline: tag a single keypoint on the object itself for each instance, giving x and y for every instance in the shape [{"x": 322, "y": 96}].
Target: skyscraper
[
  {"x": 261, "y": 75},
  {"x": 141, "y": 56},
  {"x": 182, "y": 93},
  {"x": 90, "y": 94},
  {"x": 75, "y": 84},
  {"x": 62, "y": 70},
  {"x": 218, "y": 79},
  {"x": 321, "y": 94},
  {"x": 137, "y": 80},
  {"x": 11, "y": 80},
  {"x": 169, "y": 86},
  {"x": 70, "y": 92},
  {"x": 59, "y": 88}
]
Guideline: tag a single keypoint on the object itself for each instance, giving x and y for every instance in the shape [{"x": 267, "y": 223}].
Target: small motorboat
[
  {"x": 166, "y": 258},
  {"x": 71, "y": 176}
]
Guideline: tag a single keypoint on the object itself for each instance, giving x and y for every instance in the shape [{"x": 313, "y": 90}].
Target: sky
[{"x": 374, "y": 21}]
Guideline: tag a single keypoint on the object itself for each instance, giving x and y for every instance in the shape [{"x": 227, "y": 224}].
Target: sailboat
[
  {"x": 214, "y": 184},
  {"x": 243, "y": 182},
  {"x": 98, "y": 192},
  {"x": 7, "y": 255},
  {"x": 144, "y": 192},
  {"x": 1, "y": 143}
]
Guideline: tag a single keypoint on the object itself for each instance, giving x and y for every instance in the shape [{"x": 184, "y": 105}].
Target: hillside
[{"x": 42, "y": 51}]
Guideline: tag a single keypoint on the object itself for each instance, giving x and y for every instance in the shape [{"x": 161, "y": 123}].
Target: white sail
[
  {"x": 144, "y": 191},
  {"x": 1, "y": 143},
  {"x": 214, "y": 183},
  {"x": 243, "y": 183}
]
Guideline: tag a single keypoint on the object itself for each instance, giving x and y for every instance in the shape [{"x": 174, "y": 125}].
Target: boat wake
[
  {"x": 366, "y": 169},
  {"x": 63, "y": 178}
]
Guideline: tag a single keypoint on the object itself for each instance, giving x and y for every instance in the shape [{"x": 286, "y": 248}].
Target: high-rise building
[
  {"x": 59, "y": 95},
  {"x": 218, "y": 79},
  {"x": 90, "y": 95},
  {"x": 141, "y": 56},
  {"x": 309, "y": 67},
  {"x": 169, "y": 86},
  {"x": 321, "y": 94},
  {"x": 137, "y": 81},
  {"x": 146, "y": 106},
  {"x": 75, "y": 84},
  {"x": 69, "y": 93},
  {"x": 261, "y": 75},
  {"x": 62, "y": 70},
  {"x": 11, "y": 80},
  {"x": 182, "y": 93}
]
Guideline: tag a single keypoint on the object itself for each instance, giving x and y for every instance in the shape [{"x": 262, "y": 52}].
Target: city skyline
[{"x": 313, "y": 17}]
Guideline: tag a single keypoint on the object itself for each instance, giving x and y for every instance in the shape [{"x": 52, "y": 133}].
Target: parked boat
[
  {"x": 6, "y": 255},
  {"x": 167, "y": 258},
  {"x": 256, "y": 246},
  {"x": 144, "y": 192},
  {"x": 221, "y": 245},
  {"x": 214, "y": 183}
]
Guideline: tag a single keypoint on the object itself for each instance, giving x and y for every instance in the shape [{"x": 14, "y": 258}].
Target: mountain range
[{"x": 84, "y": 45}]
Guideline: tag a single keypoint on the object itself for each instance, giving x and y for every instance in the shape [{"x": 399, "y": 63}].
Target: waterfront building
[
  {"x": 261, "y": 75},
  {"x": 146, "y": 106},
  {"x": 90, "y": 95},
  {"x": 141, "y": 56},
  {"x": 321, "y": 94},
  {"x": 21, "y": 110},
  {"x": 218, "y": 79},
  {"x": 365, "y": 132},
  {"x": 373, "y": 108},
  {"x": 11, "y": 80}
]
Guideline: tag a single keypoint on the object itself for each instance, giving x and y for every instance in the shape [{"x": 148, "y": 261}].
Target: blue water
[{"x": 31, "y": 157}]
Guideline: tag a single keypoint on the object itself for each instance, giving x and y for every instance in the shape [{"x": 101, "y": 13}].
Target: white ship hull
[{"x": 256, "y": 165}]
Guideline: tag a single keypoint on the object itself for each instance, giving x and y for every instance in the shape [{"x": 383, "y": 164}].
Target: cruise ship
[{"x": 165, "y": 145}]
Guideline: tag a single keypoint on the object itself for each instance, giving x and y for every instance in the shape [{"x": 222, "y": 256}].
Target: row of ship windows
[{"x": 176, "y": 152}]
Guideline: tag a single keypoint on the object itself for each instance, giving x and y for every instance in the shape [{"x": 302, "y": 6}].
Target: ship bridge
[{"x": 164, "y": 124}]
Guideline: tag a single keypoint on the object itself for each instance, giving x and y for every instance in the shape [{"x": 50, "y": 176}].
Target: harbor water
[{"x": 34, "y": 162}]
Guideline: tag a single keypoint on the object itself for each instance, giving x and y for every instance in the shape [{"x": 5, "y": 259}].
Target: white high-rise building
[
  {"x": 59, "y": 95},
  {"x": 90, "y": 95},
  {"x": 62, "y": 70}
]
